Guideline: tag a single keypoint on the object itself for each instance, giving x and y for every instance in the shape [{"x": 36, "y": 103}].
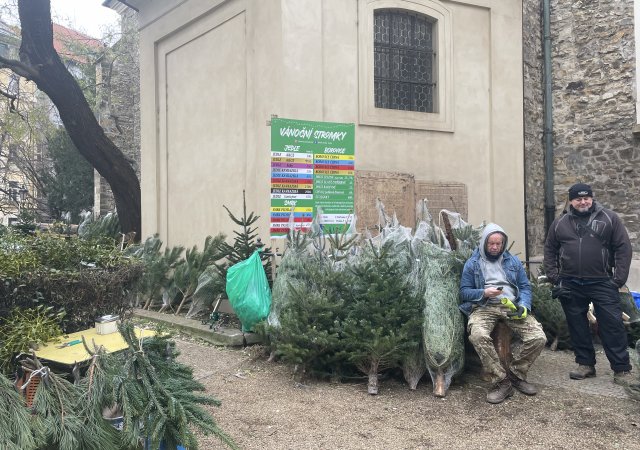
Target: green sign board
[{"x": 312, "y": 166}]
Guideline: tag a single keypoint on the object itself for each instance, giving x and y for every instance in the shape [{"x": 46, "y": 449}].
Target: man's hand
[
  {"x": 492, "y": 292},
  {"x": 560, "y": 292},
  {"x": 519, "y": 313},
  {"x": 508, "y": 303}
]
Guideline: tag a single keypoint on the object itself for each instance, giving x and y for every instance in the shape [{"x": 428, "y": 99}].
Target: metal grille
[{"x": 403, "y": 61}]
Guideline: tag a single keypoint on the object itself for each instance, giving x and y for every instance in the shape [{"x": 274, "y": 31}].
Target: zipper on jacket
[{"x": 580, "y": 257}]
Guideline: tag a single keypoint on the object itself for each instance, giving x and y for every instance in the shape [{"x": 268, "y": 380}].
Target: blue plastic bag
[
  {"x": 636, "y": 298},
  {"x": 248, "y": 291}
]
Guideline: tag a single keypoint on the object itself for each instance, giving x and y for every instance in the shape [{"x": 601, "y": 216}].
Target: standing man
[
  {"x": 587, "y": 256},
  {"x": 494, "y": 286}
]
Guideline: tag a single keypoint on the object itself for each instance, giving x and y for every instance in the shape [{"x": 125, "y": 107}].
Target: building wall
[
  {"x": 593, "y": 97},
  {"x": 205, "y": 106},
  {"x": 593, "y": 100},
  {"x": 119, "y": 102}
]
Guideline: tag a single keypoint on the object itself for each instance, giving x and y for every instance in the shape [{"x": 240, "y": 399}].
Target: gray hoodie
[{"x": 492, "y": 270}]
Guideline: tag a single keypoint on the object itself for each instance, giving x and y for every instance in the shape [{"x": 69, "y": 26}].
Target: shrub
[
  {"x": 82, "y": 277},
  {"x": 27, "y": 328}
]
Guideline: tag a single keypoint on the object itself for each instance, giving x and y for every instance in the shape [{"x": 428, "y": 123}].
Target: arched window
[
  {"x": 404, "y": 61},
  {"x": 405, "y": 52}
]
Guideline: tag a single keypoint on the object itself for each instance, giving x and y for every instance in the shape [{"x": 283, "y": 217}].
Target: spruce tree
[
  {"x": 550, "y": 314},
  {"x": 308, "y": 333},
  {"x": 382, "y": 316},
  {"x": 187, "y": 274},
  {"x": 166, "y": 406},
  {"x": 245, "y": 242}
]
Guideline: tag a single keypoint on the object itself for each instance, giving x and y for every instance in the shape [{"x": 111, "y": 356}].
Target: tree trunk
[
  {"x": 43, "y": 66},
  {"x": 440, "y": 384}
]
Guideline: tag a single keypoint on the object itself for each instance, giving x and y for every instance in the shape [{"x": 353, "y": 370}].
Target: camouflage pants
[{"x": 482, "y": 322}]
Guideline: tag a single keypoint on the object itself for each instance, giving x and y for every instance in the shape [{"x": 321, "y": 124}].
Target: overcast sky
[{"x": 87, "y": 16}]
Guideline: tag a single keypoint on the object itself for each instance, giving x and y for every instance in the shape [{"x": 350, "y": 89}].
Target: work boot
[
  {"x": 501, "y": 391},
  {"x": 582, "y": 372},
  {"x": 523, "y": 386},
  {"x": 624, "y": 378}
]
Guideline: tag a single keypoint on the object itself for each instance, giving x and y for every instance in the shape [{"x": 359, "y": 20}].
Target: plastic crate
[{"x": 28, "y": 392}]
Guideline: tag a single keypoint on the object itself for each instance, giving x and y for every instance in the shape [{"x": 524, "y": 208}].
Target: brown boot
[
  {"x": 582, "y": 372},
  {"x": 523, "y": 386},
  {"x": 501, "y": 391},
  {"x": 624, "y": 378}
]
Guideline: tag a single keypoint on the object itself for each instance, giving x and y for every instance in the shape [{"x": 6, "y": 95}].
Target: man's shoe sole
[{"x": 581, "y": 377}]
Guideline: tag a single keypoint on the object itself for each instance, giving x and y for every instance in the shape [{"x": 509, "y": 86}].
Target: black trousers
[{"x": 606, "y": 305}]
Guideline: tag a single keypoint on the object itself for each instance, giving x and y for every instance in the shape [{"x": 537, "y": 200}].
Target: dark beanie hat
[{"x": 580, "y": 190}]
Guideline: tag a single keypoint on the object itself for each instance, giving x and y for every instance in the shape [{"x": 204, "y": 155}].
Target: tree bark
[{"x": 40, "y": 63}]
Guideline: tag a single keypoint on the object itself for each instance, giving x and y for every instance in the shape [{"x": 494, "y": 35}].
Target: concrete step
[{"x": 232, "y": 337}]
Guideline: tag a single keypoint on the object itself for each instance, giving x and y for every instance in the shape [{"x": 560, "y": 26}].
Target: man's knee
[
  {"x": 479, "y": 336},
  {"x": 536, "y": 339}
]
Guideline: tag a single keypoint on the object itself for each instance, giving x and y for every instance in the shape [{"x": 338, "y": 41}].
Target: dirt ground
[{"x": 264, "y": 408}]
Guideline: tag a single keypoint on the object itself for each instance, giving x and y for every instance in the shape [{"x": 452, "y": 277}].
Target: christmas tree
[{"x": 382, "y": 321}]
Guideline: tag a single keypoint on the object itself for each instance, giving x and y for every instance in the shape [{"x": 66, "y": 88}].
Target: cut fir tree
[{"x": 382, "y": 316}]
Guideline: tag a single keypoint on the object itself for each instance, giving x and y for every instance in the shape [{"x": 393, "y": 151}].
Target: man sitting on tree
[{"x": 494, "y": 287}]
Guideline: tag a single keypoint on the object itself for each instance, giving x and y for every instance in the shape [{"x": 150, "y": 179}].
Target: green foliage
[
  {"x": 101, "y": 228},
  {"x": 187, "y": 273},
  {"x": 158, "y": 267},
  {"x": 383, "y": 316},
  {"x": 167, "y": 407},
  {"x": 85, "y": 278},
  {"x": 157, "y": 396},
  {"x": 210, "y": 286},
  {"x": 308, "y": 328},
  {"x": 67, "y": 417},
  {"x": 16, "y": 255},
  {"x": 68, "y": 184},
  {"x": 15, "y": 426},
  {"x": 26, "y": 328},
  {"x": 550, "y": 314},
  {"x": 443, "y": 324},
  {"x": 244, "y": 243}
]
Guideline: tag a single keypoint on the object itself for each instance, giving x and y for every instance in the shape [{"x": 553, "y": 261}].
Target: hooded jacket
[
  {"x": 473, "y": 283},
  {"x": 589, "y": 251}
]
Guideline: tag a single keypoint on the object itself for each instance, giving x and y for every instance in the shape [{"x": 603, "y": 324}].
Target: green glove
[
  {"x": 519, "y": 313},
  {"x": 508, "y": 303}
]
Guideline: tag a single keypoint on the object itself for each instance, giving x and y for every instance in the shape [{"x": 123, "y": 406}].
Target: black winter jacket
[{"x": 588, "y": 251}]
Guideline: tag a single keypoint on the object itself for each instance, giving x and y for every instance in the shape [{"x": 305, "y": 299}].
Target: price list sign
[{"x": 312, "y": 166}]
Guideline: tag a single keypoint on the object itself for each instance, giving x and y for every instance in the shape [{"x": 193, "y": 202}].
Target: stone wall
[
  {"x": 533, "y": 125},
  {"x": 593, "y": 67},
  {"x": 120, "y": 102}
]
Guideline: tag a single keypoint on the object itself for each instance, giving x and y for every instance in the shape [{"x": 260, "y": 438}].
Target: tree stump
[{"x": 501, "y": 336}]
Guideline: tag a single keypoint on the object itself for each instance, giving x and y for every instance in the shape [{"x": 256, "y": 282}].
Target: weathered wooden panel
[
  {"x": 395, "y": 190},
  {"x": 444, "y": 195}
]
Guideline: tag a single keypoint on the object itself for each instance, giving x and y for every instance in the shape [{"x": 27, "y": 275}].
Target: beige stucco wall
[{"x": 213, "y": 72}]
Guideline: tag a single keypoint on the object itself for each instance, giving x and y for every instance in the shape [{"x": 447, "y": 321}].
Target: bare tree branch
[{"x": 24, "y": 70}]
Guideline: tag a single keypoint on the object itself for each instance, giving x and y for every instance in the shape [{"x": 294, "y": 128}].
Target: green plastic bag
[{"x": 248, "y": 291}]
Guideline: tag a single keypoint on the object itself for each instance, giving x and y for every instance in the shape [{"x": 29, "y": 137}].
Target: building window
[
  {"x": 405, "y": 64},
  {"x": 403, "y": 61}
]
